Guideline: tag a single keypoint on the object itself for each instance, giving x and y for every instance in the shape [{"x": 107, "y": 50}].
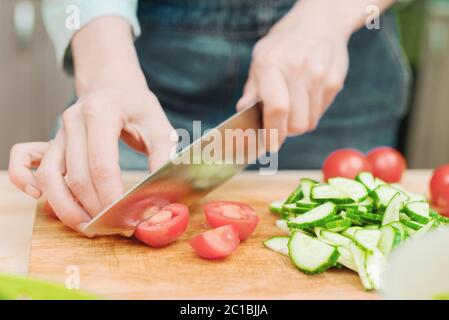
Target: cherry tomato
[
  {"x": 49, "y": 210},
  {"x": 216, "y": 243},
  {"x": 240, "y": 215},
  {"x": 165, "y": 226},
  {"x": 387, "y": 164},
  {"x": 345, "y": 163},
  {"x": 440, "y": 180},
  {"x": 443, "y": 201}
]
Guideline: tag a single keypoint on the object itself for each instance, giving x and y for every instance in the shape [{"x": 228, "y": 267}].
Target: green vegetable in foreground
[{"x": 348, "y": 223}]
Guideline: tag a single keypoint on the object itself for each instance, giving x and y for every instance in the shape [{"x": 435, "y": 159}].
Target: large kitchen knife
[{"x": 196, "y": 170}]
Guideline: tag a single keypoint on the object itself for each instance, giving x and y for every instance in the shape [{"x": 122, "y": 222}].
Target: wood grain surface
[{"x": 117, "y": 267}]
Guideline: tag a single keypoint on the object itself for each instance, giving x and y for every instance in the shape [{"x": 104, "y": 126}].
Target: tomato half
[
  {"x": 165, "y": 226},
  {"x": 240, "y": 215},
  {"x": 216, "y": 243},
  {"x": 387, "y": 164},
  {"x": 440, "y": 180},
  {"x": 345, "y": 163}
]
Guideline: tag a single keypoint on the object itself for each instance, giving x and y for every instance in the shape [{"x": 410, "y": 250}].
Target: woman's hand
[
  {"x": 299, "y": 67},
  {"x": 78, "y": 172}
]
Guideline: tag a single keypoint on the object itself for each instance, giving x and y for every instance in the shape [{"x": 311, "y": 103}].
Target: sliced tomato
[
  {"x": 345, "y": 163},
  {"x": 216, "y": 243},
  {"x": 387, "y": 164},
  {"x": 240, "y": 215},
  {"x": 165, "y": 226},
  {"x": 443, "y": 201},
  {"x": 439, "y": 181}
]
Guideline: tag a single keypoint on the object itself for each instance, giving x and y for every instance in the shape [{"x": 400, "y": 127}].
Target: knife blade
[{"x": 188, "y": 176}]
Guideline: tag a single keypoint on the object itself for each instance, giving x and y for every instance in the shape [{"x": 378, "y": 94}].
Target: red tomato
[
  {"x": 345, "y": 163},
  {"x": 216, "y": 243},
  {"x": 240, "y": 215},
  {"x": 443, "y": 201},
  {"x": 165, "y": 226},
  {"x": 49, "y": 210},
  {"x": 387, "y": 164},
  {"x": 440, "y": 180}
]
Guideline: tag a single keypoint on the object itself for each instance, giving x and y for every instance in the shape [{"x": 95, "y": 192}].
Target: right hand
[{"x": 78, "y": 172}]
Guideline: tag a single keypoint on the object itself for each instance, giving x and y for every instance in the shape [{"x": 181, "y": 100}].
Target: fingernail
[{"x": 32, "y": 191}]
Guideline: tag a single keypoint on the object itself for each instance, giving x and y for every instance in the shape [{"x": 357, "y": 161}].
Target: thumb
[{"x": 163, "y": 148}]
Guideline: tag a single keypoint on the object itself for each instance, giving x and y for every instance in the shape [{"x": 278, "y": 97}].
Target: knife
[{"x": 188, "y": 176}]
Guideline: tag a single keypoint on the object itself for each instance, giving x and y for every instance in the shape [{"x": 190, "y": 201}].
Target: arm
[{"x": 299, "y": 67}]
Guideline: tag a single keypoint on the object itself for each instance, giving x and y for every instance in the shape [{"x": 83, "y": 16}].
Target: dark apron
[{"x": 196, "y": 54}]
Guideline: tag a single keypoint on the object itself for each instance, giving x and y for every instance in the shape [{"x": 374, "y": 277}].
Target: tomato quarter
[
  {"x": 387, "y": 164},
  {"x": 439, "y": 181},
  {"x": 345, "y": 163},
  {"x": 165, "y": 226},
  {"x": 240, "y": 215},
  {"x": 216, "y": 243}
]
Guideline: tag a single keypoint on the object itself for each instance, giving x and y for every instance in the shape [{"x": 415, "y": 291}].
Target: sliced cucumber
[
  {"x": 379, "y": 182},
  {"x": 346, "y": 258},
  {"x": 375, "y": 264},
  {"x": 276, "y": 206},
  {"x": 307, "y": 204},
  {"x": 389, "y": 239},
  {"x": 315, "y": 217},
  {"x": 418, "y": 211},
  {"x": 392, "y": 211},
  {"x": 367, "y": 179},
  {"x": 403, "y": 216},
  {"x": 435, "y": 215},
  {"x": 293, "y": 208},
  {"x": 385, "y": 193},
  {"x": 335, "y": 238},
  {"x": 338, "y": 225},
  {"x": 307, "y": 185},
  {"x": 282, "y": 224},
  {"x": 359, "y": 257},
  {"x": 367, "y": 239},
  {"x": 295, "y": 195},
  {"x": 350, "y": 232},
  {"x": 324, "y": 193},
  {"x": 354, "y": 216},
  {"x": 353, "y": 189},
  {"x": 412, "y": 225},
  {"x": 371, "y": 217},
  {"x": 310, "y": 255},
  {"x": 371, "y": 227},
  {"x": 278, "y": 244},
  {"x": 412, "y": 196},
  {"x": 401, "y": 228},
  {"x": 426, "y": 228}
]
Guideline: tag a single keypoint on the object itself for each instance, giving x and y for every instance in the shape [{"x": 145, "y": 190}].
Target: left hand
[{"x": 298, "y": 68}]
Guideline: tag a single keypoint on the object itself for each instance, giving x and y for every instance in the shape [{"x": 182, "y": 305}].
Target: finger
[
  {"x": 316, "y": 94},
  {"x": 23, "y": 158},
  {"x": 103, "y": 132},
  {"x": 50, "y": 178},
  {"x": 77, "y": 163},
  {"x": 249, "y": 94},
  {"x": 272, "y": 90},
  {"x": 298, "y": 121}
]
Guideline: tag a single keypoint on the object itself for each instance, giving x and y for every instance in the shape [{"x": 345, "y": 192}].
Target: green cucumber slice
[
  {"x": 418, "y": 211},
  {"x": 371, "y": 217},
  {"x": 435, "y": 215},
  {"x": 426, "y": 228},
  {"x": 282, "y": 224},
  {"x": 412, "y": 225},
  {"x": 346, "y": 258},
  {"x": 276, "y": 206},
  {"x": 293, "y": 208},
  {"x": 392, "y": 211},
  {"x": 338, "y": 225},
  {"x": 278, "y": 244},
  {"x": 335, "y": 238},
  {"x": 359, "y": 257},
  {"x": 367, "y": 179},
  {"x": 324, "y": 193},
  {"x": 310, "y": 255},
  {"x": 389, "y": 239},
  {"x": 375, "y": 264},
  {"x": 351, "y": 231},
  {"x": 371, "y": 227},
  {"x": 367, "y": 239},
  {"x": 307, "y": 185},
  {"x": 401, "y": 228},
  {"x": 315, "y": 217},
  {"x": 353, "y": 189},
  {"x": 295, "y": 195},
  {"x": 384, "y": 194},
  {"x": 355, "y": 217}
]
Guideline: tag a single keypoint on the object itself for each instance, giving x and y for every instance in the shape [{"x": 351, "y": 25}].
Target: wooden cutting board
[{"x": 117, "y": 267}]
